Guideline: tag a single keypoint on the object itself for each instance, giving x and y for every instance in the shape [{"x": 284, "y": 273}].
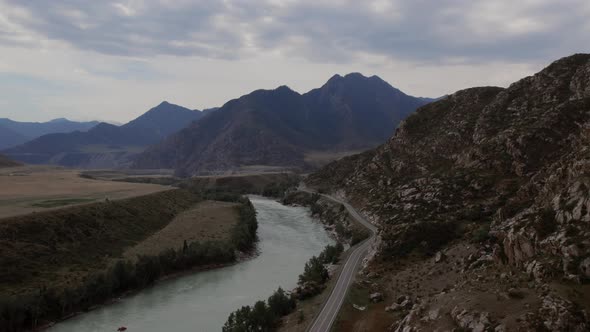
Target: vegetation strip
[
  {"x": 31, "y": 311},
  {"x": 266, "y": 316}
]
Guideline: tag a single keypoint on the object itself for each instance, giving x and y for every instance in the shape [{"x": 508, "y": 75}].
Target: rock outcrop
[{"x": 505, "y": 168}]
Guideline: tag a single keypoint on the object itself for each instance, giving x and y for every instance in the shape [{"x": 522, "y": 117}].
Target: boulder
[
  {"x": 557, "y": 314},
  {"x": 376, "y": 297},
  {"x": 472, "y": 321},
  {"x": 439, "y": 257},
  {"x": 410, "y": 321},
  {"x": 515, "y": 293},
  {"x": 393, "y": 308},
  {"x": 401, "y": 299},
  {"x": 585, "y": 268}
]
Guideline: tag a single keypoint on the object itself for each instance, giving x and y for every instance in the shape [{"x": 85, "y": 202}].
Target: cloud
[
  {"x": 113, "y": 60},
  {"x": 427, "y": 31}
]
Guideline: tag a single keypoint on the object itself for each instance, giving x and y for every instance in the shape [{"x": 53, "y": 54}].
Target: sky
[{"x": 113, "y": 60}]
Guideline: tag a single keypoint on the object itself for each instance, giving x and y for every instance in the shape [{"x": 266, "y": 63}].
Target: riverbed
[{"x": 288, "y": 237}]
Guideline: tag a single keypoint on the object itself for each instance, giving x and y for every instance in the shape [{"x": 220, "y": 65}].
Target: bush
[
  {"x": 331, "y": 254},
  {"x": 265, "y": 316},
  {"x": 358, "y": 236},
  {"x": 427, "y": 237},
  {"x": 262, "y": 316},
  {"x": 481, "y": 234},
  {"x": 314, "y": 271},
  {"x": 280, "y": 304}
]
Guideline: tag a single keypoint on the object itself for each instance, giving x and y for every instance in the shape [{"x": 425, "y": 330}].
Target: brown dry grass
[
  {"x": 22, "y": 188},
  {"x": 206, "y": 221}
]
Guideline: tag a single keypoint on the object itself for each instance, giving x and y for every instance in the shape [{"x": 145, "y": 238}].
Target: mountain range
[
  {"x": 283, "y": 128},
  {"x": 13, "y": 133},
  {"x": 485, "y": 191},
  {"x": 105, "y": 145}
]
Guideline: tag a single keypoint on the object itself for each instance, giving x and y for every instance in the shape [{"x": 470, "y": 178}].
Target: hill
[
  {"x": 280, "y": 127},
  {"x": 5, "y": 162},
  {"x": 13, "y": 133},
  {"x": 495, "y": 182},
  {"x": 9, "y": 138},
  {"x": 106, "y": 145}
]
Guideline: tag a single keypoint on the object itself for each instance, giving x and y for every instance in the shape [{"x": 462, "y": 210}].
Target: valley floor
[{"x": 39, "y": 188}]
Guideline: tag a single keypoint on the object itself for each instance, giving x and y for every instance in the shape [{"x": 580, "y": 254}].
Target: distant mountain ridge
[
  {"x": 13, "y": 133},
  {"x": 106, "y": 145},
  {"x": 279, "y": 127}
]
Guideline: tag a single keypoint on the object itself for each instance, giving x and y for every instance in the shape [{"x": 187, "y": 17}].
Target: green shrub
[{"x": 481, "y": 234}]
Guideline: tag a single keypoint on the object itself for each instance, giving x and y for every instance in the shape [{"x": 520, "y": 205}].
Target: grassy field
[
  {"x": 206, "y": 221},
  {"x": 61, "y": 247},
  {"x": 38, "y": 188}
]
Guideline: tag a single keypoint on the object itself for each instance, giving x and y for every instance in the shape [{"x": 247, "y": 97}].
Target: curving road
[{"x": 324, "y": 320}]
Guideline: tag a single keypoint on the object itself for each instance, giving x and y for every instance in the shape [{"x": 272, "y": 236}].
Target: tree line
[
  {"x": 28, "y": 312},
  {"x": 266, "y": 316}
]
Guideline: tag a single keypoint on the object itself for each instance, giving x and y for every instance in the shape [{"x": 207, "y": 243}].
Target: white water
[{"x": 203, "y": 301}]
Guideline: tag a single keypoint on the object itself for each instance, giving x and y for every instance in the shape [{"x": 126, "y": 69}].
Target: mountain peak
[
  {"x": 284, "y": 88},
  {"x": 347, "y": 77},
  {"x": 336, "y": 77},
  {"x": 275, "y": 127},
  {"x": 355, "y": 75},
  {"x": 59, "y": 120}
]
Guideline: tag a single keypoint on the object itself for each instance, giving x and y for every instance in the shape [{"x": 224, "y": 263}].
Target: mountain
[
  {"x": 106, "y": 145},
  {"x": 495, "y": 182},
  {"x": 9, "y": 137},
  {"x": 5, "y": 162},
  {"x": 282, "y": 127},
  {"x": 13, "y": 133}
]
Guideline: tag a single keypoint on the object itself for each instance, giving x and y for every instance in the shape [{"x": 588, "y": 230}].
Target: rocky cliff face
[{"x": 507, "y": 167}]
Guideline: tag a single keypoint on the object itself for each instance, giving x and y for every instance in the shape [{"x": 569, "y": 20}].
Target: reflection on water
[{"x": 204, "y": 300}]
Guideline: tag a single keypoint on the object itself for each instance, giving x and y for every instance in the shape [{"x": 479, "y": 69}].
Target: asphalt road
[{"x": 323, "y": 322}]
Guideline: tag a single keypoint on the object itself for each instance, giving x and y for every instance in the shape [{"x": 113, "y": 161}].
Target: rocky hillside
[
  {"x": 503, "y": 173},
  {"x": 280, "y": 127},
  {"x": 106, "y": 145},
  {"x": 5, "y": 162}
]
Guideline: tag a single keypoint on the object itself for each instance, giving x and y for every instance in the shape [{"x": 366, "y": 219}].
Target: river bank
[
  {"x": 119, "y": 275},
  {"x": 288, "y": 237}
]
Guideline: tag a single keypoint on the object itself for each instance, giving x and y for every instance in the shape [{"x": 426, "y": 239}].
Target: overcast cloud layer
[{"x": 112, "y": 60}]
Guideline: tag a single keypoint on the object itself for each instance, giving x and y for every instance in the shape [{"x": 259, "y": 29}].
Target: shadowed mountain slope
[
  {"x": 13, "y": 133},
  {"x": 279, "y": 127},
  {"x": 106, "y": 145}
]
